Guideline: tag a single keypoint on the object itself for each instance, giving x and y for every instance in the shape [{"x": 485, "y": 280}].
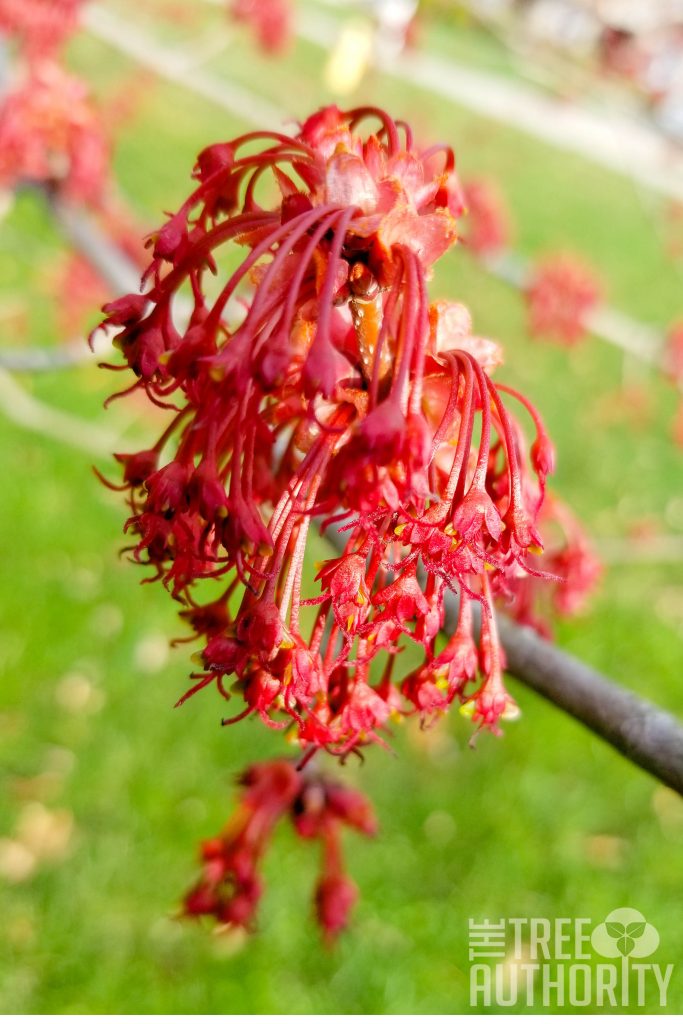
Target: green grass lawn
[{"x": 112, "y": 788}]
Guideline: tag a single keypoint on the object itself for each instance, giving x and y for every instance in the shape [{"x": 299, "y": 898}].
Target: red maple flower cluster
[
  {"x": 313, "y": 379},
  {"x": 230, "y": 886},
  {"x": 338, "y": 392},
  {"x": 487, "y": 228},
  {"x": 40, "y": 26},
  {"x": 50, "y": 133},
  {"x": 270, "y": 20},
  {"x": 561, "y": 295}
]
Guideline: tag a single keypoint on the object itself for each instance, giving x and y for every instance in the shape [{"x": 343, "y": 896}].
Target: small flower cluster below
[{"x": 230, "y": 886}]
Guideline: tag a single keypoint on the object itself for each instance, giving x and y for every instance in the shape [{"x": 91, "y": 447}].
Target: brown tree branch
[{"x": 640, "y": 730}]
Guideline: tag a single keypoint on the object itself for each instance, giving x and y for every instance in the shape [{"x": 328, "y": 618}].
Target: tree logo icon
[{"x": 625, "y": 933}]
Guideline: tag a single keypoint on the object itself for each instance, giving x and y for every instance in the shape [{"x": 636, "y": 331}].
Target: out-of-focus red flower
[
  {"x": 230, "y": 886},
  {"x": 620, "y": 53},
  {"x": 673, "y": 354},
  {"x": 561, "y": 294},
  {"x": 570, "y": 568},
  {"x": 318, "y": 380},
  {"x": 487, "y": 227},
  {"x": 49, "y": 133},
  {"x": 40, "y": 26},
  {"x": 272, "y": 21}
]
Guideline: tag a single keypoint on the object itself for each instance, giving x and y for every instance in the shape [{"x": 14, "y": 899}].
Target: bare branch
[
  {"x": 105, "y": 256},
  {"x": 44, "y": 360},
  {"x": 640, "y": 730}
]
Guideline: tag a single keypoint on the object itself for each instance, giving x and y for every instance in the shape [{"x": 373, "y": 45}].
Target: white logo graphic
[
  {"x": 625, "y": 932},
  {"x": 534, "y": 961}
]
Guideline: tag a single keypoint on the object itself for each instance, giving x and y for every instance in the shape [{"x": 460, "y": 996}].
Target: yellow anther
[{"x": 467, "y": 709}]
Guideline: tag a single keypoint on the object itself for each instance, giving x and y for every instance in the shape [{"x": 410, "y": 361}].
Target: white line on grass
[{"x": 180, "y": 68}]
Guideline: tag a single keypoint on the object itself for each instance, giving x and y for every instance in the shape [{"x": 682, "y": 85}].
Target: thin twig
[
  {"x": 45, "y": 360},
  {"x": 26, "y": 411},
  {"x": 105, "y": 256},
  {"x": 663, "y": 549}
]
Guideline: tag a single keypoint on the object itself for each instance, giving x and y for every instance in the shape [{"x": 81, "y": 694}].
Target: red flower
[
  {"x": 335, "y": 898},
  {"x": 488, "y": 222},
  {"x": 230, "y": 887},
  {"x": 673, "y": 355},
  {"x": 561, "y": 294},
  {"x": 49, "y": 133},
  {"x": 319, "y": 380},
  {"x": 40, "y": 25},
  {"x": 270, "y": 20}
]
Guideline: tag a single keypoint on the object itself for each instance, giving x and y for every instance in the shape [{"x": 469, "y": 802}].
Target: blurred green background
[{"x": 106, "y": 789}]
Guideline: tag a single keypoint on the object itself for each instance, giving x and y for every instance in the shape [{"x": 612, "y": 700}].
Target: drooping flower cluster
[
  {"x": 49, "y": 133},
  {"x": 334, "y": 389},
  {"x": 230, "y": 886},
  {"x": 40, "y": 26},
  {"x": 561, "y": 295},
  {"x": 487, "y": 228},
  {"x": 270, "y": 20},
  {"x": 313, "y": 379}
]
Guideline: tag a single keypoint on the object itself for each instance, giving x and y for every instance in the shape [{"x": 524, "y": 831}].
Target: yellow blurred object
[{"x": 350, "y": 58}]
